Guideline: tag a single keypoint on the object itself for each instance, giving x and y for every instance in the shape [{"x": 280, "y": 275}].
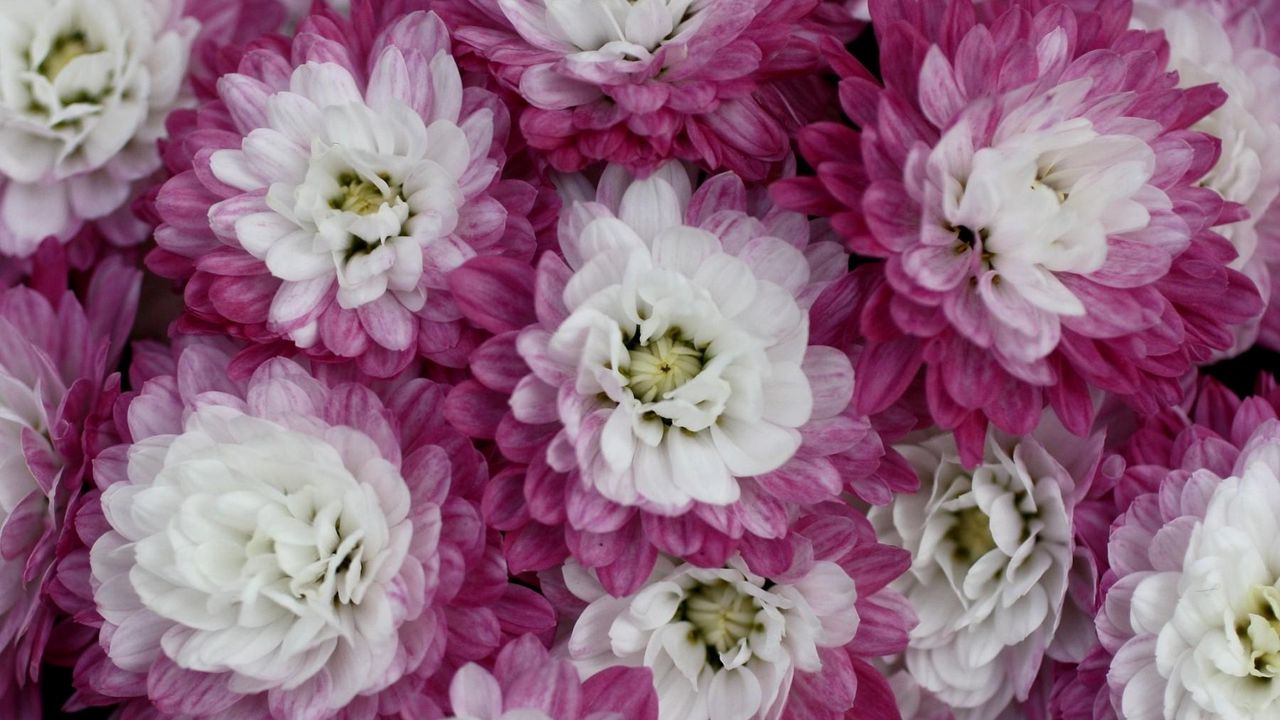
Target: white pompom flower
[
  {"x": 723, "y": 643},
  {"x": 992, "y": 549},
  {"x": 85, "y": 86}
]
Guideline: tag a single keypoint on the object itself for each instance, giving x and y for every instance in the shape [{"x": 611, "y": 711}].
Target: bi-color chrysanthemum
[
  {"x": 55, "y": 387},
  {"x": 86, "y": 88},
  {"x": 1030, "y": 182},
  {"x": 323, "y": 198},
  {"x": 657, "y": 381},
  {"x": 728, "y": 643},
  {"x": 294, "y": 545},
  {"x": 722, "y": 83}
]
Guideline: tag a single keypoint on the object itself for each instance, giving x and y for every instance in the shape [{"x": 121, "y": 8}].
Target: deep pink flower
[
  {"x": 526, "y": 681},
  {"x": 656, "y": 388},
  {"x": 321, "y": 200},
  {"x": 722, "y": 84},
  {"x": 320, "y": 548},
  {"x": 1028, "y": 178},
  {"x": 56, "y": 386}
]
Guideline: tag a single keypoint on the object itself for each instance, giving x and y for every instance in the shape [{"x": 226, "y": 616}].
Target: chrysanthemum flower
[
  {"x": 636, "y": 83},
  {"x": 528, "y": 684},
  {"x": 294, "y": 545},
  {"x": 1211, "y": 42},
  {"x": 729, "y": 643},
  {"x": 323, "y": 198},
  {"x": 87, "y": 86},
  {"x": 1189, "y": 616},
  {"x": 656, "y": 385},
  {"x": 997, "y": 578},
  {"x": 54, "y": 386},
  {"x": 1031, "y": 185}
]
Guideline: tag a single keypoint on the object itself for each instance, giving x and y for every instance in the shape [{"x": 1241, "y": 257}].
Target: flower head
[
  {"x": 294, "y": 544},
  {"x": 1218, "y": 43},
  {"x": 728, "y": 644},
  {"x": 660, "y": 378},
  {"x": 1186, "y": 621},
  {"x": 339, "y": 190},
  {"x": 55, "y": 389},
  {"x": 717, "y": 82},
  {"x": 87, "y": 86},
  {"x": 1040, "y": 235},
  {"x": 994, "y": 558}
]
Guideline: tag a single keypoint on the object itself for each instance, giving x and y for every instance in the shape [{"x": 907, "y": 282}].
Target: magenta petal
[{"x": 495, "y": 293}]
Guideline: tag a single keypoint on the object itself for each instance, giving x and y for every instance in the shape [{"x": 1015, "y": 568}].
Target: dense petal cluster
[
  {"x": 54, "y": 388},
  {"x": 639, "y": 359},
  {"x": 87, "y": 86},
  {"x": 729, "y": 644},
  {"x": 1040, "y": 235},
  {"x": 994, "y": 556},
  {"x": 321, "y": 201},
  {"x": 292, "y": 545},
  {"x": 1191, "y": 559},
  {"x": 721, "y": 83},
  {"x": 656, "y": 381}
]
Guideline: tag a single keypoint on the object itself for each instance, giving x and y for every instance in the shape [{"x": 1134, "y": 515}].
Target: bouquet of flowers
[{"x": 640, "y": 359}]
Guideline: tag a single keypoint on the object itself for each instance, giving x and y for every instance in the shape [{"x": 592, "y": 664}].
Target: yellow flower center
[
  {"x": 721, "y": 616},
  {"x": 662, "y": 365},
  {"x": 65, "y": 49},
  {"x": 1259, "y": 632},
  {"x": 359, "y": 195},
  {"x": 971, "y": 534}
]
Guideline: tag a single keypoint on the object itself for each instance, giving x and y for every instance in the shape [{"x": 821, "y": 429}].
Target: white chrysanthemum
[
  {"x": 991, "y": 550},
  {"x": 723, "y": 644},
  {"x": 357, "y": 185},
  {"x": 1041, "y": 200},
  {"x": 247, "y": 548},
  {"x": 619, "y": 28},
  {"x": 85, "y": 86},
  {"x": 1213, "y": 624},
  {"x": 693, "y": 346}
]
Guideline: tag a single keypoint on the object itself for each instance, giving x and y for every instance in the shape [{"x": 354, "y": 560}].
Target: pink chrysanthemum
[
  {"x": 54, "y": 389},
  {"x": 744, "y": 642},
  {"x": 323, "y": 198},
  {"x": 718, "y": 83},
  {"x": 1029, "y": 181},
  {"x": 88, "y": 84},
  {"x": 294, "y": 545},
  {"x": 656, "y": 388},
  {"x": 527, "y": 683},
  {"x": 1170, "y": 586}
]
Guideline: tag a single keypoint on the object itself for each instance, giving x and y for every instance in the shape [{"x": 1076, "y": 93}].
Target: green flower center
[
  {"x": 357, "y": 194},
  {"x": 662, "y": 365},
  {"x": 971, "y": 535},
  {"x": 1259, "y": 632},
  {"x": 65, "y": 48},
  {"x": 721, "y": 616}
]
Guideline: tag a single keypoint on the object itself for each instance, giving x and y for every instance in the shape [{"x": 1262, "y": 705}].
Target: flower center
[
  {"x": 66, "y": 47},
  {"x": 721, "y": 615},
  {"x": 662, "y": 365},
  {"x": 971, "y": 535},
  {"x": 1259, "y": 632},
  {"x": 362, "y": 196}
]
